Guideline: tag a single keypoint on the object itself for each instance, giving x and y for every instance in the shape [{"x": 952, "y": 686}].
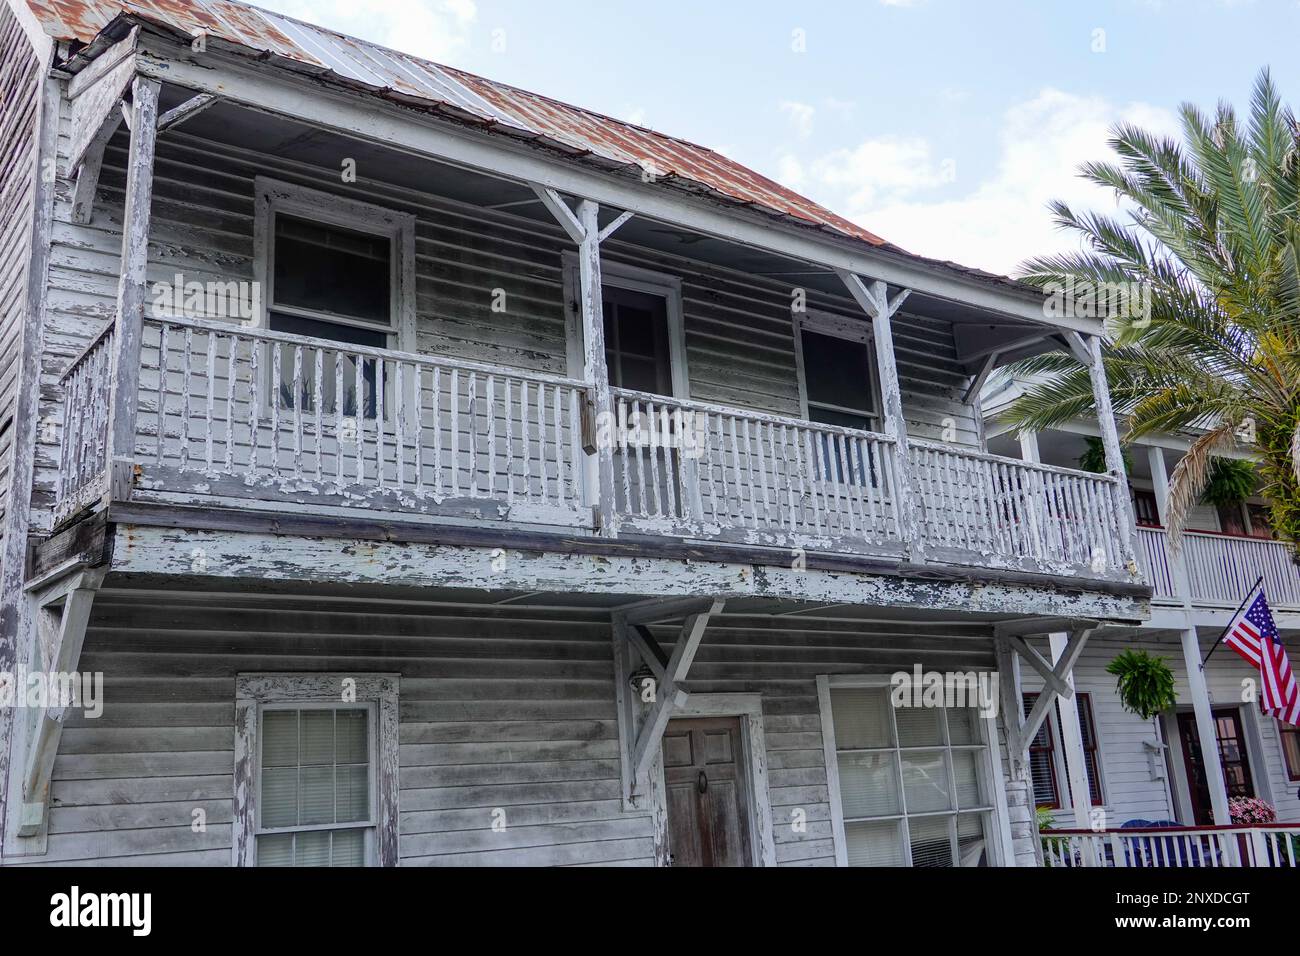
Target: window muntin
[
  {"x": 914, "y": 783},
  {"x": 316, "y": 798},
  {"x": 1042, "y": 761}
]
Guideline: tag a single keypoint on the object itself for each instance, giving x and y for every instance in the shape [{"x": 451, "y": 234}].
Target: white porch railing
[
  {"x": 1221, "y": 568},
  {"x": 1237, "y": 846},
  {"x": 1019, "y": 511},
  {"x": 226, "y": 410},
  {"x": 706, "y": 470},
  {"x": 226, "y": 413}
]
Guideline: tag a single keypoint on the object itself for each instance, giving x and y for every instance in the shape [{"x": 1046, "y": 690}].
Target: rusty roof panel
[{"x": 609, "y": 142}]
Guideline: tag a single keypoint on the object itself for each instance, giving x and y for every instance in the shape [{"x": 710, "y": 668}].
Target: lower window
[
  {"x": 914, "y": 782},
  {"x": 316, "y": 805},
  {"x": 315, "y": 770}
]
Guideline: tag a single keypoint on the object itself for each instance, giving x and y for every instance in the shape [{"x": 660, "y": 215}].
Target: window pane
[
  {"x": 925, "y": 782},
  {"x": 275, "y": 850},
  {"x": 317, "y": 795},
  {"x": 972, "y": 839},
  {"x": 349, "y": 848},
  {"x": 931, "y": 841},
  {"x": 873, "y": 844},
  {"x": 279, "y": 797},
  {"x": 868, "y": 785},
  {"x": 352, "y": 794},
  {"x": 328, "y": 269},
  {"x": 636, "y": 341},
  {"x": 280, "y": 738},
  {"x": 918, "y": 726},
  {"x": 837, "y": 371},
  {"x": 347, "y": 364},
  {"x": 1291, "y": 747},
  {"x": 317, "y": 730},
  {"x": 861, "y": 718},
  {"x": 962, "y": 726},
  {"x": 966, "y": 777},
  {"x": 353, "y": 747},
  {"x": 312, "y": 849}
]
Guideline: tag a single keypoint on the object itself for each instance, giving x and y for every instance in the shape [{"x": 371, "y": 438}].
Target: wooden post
[
  {"x": 877, "y": 304},
  {"x": 1200, "y": 694},
  {"x": 1089, "y": 353},
  {"x": 131, "y": 291},
  {"x": 1076, "y": 770},
  {"x": 1029, "y": 447},
  {"x": 594, "y": 367},
  {"x": 1159, "y": 482}
]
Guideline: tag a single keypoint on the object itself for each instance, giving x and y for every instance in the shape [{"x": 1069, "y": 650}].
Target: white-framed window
[
  {"x": 909, "y": 786},
  {"x": 315, "y": 770},
  {"x": 645, "y": 340},
  {"x": 837, "y": 371},
  {"x": 335, "y": 269}
]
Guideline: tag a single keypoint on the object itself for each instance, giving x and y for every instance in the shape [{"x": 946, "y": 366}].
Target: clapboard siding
[
  {"x": 20, "y": 88},
  {"x": 1129, "y": 790},
  {"x": 738, "y": 327},
  {"x": 501, "y": 708}
]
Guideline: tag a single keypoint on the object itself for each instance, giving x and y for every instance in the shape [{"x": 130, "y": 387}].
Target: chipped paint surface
[{"x": 609, "y": 142}]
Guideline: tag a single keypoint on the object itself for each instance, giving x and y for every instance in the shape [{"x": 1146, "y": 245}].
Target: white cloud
[
  {"x": 432, "y": 29},
  {"x": 801, "y": 117},
  {"x": 889, "y": 184}
]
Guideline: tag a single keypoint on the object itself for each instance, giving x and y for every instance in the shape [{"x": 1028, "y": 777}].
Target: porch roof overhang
[{"x": 994, "y": 317}]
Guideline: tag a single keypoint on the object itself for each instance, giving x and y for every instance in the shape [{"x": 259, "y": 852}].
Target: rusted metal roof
[{"x": 610, "y": 142}]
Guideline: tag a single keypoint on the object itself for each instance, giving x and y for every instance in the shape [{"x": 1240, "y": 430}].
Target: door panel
[
  {"x": 1233, "y": 758},
  {"x": 707, "y": 793}
]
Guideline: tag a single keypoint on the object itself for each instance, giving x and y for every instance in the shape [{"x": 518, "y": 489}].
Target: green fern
[
  {"x": 1232, "y": 481},
  {"x": 1145, "y": 684}
]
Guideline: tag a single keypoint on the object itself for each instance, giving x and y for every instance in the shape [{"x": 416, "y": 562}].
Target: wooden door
[
  {"x": 707, "y": 792},
  {"x": 1232, "y": 757}
]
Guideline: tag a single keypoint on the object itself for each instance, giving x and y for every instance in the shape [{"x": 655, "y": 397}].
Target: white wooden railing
[
  {"x": 82, "y": 456},
  {"x": 1273, "y": 845},
  {"x": 1221, "y": 568},
  {"x": 706, "y": 470},
  {"x": 226, "y": 412},
  {"x": 233, "y": 411},
  {"x": 1019, "y": 511}
]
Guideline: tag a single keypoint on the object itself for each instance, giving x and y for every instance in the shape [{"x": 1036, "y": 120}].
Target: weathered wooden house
[
  {"x": 1154, "y": 770},
  {"x": 437, "y": 473}
]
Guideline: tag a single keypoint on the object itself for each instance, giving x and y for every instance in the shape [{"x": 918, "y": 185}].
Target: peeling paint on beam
[{"x": 218, "y": 554}]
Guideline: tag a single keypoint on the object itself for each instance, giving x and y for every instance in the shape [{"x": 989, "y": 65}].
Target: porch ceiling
[{"x": 323, "y": 151}]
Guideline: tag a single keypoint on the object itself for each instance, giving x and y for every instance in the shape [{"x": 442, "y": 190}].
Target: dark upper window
[
  {"x": 1290, "y": 749},
  {"x": 837, "y": 376},
  {"x": 1144, "y": 506},
  {"x": 636, "y": 341}
]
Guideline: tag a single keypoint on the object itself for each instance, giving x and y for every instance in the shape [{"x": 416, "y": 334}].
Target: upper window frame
[
  {"x": 840, "y": 327},
  {"x": 633, "y": 279},
  {"x": 256, "y": 692},
  {"x": 273, "y": 197}
]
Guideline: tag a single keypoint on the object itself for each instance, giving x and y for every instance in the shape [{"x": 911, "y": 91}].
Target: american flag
[{"x": 1253, "y": 634}]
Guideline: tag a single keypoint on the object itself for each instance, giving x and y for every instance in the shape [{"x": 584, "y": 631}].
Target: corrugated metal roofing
[{"x": 577, "y": 130}]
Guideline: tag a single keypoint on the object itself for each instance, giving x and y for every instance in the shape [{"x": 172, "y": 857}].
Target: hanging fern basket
[{"x": 1145, "y": 684}]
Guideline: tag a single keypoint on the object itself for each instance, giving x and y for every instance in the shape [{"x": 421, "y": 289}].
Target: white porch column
[
  {"x": 1159, "y": 482},
  {"x": 1205, "y": 727},
  {"x": 1029, "y": 447},
  {"x": 1076, "y": 769}
]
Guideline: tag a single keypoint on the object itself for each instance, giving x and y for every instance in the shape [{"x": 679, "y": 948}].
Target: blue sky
[{"x": 943, "y": 125}]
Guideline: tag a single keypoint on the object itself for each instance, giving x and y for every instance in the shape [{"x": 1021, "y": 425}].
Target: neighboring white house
[{"x": 1151, "y": 770}]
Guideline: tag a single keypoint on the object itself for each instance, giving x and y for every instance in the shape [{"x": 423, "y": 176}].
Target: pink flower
[{"x": 1247, "y": 810}]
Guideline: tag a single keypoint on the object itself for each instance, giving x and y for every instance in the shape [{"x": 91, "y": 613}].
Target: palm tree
[{"x": 1210, "y": 227}]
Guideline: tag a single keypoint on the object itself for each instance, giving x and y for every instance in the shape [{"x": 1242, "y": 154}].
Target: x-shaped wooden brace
[
  {"x": 1020, "y": 731},
  {"x": 670, "y": 671}
]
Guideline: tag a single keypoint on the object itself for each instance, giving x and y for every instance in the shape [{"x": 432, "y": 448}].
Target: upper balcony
[{"x": 476, "y": 336}]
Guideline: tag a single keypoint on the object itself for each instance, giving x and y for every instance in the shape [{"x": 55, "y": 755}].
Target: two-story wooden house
[{"x": 437, "y": 473}]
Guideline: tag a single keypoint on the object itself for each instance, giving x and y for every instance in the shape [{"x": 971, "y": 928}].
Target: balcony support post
[
  {"x": 1088, "y": 351},
  {"x": 1076, "y": 769},
  {"x": 583, "y": 227},
  {"x": 131, "y": 291},
  {"x": 1205, "y": 729},
  {"x": 875, "y": 301}
]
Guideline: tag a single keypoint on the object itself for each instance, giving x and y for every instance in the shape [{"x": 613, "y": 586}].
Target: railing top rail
[
  {"x": 764, "y": 417},
  {"x": 287, "y": 338},
  {"x": 967, "y": 452},
  {"x": 1172, "y": 831},
  {"x": 90, "y": 347}
]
